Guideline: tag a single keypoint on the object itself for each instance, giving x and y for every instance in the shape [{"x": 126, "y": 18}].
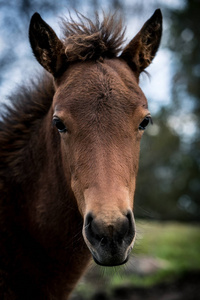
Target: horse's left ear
[
  {"x": 46, "y": 46},
  {"x": 141, "y": 50}
]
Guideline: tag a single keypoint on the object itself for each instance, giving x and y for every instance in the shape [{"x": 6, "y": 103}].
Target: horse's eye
[
  {"x": 59, "y": 125},
  {"x": 145, "y": 122}
]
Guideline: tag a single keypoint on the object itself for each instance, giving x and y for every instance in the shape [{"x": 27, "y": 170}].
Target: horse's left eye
[
  {"x": 59, "y": 125},
  {"x": 145, "y": 122}
]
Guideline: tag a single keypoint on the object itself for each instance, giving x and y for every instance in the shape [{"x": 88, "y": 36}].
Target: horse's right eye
[
  {"x": 59, "y": 125},
  {"x": 145, "y": 122}
]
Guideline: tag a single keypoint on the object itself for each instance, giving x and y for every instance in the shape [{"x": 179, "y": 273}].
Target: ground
[{"x": 185, "y": 288}]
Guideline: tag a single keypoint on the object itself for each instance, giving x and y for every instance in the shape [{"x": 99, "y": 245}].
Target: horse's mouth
[
  {"x": 111, "y": 263},
  {"x": 110, "y": 258}
]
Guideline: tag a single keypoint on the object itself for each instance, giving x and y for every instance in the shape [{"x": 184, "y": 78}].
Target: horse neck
[{"x": 40, "y": 211}]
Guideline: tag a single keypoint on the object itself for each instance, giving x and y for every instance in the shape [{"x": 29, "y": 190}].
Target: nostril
[
  {"x": 91, "y": 229},
  {"x": 130, "y": 219},
  {"x": 88, "y": 226},
  {"x": 88, "y": 220},
  {"x": 103, "y": 241},
  {"x": 122, "y": 230},
  {"x": 129, "y": 216},
  {"x": 131, "y": 231}
]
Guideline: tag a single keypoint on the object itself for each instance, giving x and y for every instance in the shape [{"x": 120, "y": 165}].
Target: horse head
[{"x": 100, "y": 114}]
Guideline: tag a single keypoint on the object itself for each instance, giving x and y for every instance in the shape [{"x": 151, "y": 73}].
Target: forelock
[{"x": 91, "y": 40}]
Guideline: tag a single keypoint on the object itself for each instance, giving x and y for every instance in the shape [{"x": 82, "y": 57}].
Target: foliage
[{"x": 185, "y": 45}]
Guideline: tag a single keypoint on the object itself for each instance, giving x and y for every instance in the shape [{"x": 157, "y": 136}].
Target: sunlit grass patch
[{"x": 177, "y": 243}]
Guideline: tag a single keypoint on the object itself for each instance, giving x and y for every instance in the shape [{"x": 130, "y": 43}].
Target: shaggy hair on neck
[{"x": 88, "y": 40}]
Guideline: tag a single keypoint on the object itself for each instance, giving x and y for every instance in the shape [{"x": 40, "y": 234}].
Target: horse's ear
[
  {"x": 46, "y": 46},
  {"x": 141, "y": 50}
]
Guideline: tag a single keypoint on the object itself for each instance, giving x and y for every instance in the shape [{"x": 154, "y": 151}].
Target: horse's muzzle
[{"x": 109, "y": 242}]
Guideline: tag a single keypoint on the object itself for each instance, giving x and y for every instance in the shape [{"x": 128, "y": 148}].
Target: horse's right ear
[{"x": 46, "y": 46}]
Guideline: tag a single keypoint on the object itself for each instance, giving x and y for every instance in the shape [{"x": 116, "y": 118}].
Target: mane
[
  {"x": 90, "y": 40},
  {"x": 28, "y": 105}
]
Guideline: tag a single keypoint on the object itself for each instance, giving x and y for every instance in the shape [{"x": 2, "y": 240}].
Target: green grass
[{"x": 175, "y": 244}]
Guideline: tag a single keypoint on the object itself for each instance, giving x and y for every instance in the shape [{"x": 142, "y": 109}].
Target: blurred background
[{"x": 167, "y": 201}]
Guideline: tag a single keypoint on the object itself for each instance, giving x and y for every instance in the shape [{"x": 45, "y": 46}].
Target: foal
[{"x": 69, "y": 156}]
